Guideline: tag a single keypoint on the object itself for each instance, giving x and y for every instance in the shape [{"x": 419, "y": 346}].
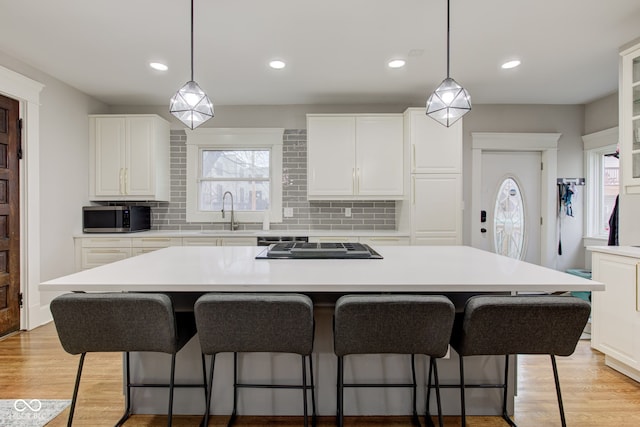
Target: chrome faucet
[{"x": 233, "y": 224}]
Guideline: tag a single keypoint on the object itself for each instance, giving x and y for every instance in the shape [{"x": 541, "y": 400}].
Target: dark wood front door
[{"x": 9, "y": 216}]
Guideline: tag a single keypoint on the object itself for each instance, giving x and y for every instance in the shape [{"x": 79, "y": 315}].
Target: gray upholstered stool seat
[
  {"x": 122, "y": 322},
  {"x": 507, "y": 325},
  {"x": 398, "y": 324},
  {"x": 237, "y": 322}
]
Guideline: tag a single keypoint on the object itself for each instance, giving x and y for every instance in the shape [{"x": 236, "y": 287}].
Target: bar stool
[
  {"x": 237, "y": 323},
  {"x": 122, "y": 322},
  {"x": 506, "y": 325},
  {"x": 397, "y": 324}
]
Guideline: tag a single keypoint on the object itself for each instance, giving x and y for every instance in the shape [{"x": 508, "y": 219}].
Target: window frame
[
  {"x": 234, "y": 139},
  {"x": 596, "y": 145}
]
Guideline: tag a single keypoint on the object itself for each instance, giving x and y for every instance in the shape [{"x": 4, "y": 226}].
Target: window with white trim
[
  {"x": 245, "y": 162},
  {"x": 602, "y": 178}
]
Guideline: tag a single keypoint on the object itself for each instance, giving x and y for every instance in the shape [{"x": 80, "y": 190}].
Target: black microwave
[{"x": 115, "y": 219}]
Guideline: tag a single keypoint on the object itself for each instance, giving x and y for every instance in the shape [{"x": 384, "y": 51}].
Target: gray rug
[{"x": 29, "y": 412}]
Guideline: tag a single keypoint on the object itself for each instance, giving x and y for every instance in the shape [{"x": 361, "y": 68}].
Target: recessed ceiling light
[
  {"x": 158, "y": 66},
  {"x": 511, "y": 64},
  {"x": 277, "y": 64},
  {"x": 397, "y": 63}
]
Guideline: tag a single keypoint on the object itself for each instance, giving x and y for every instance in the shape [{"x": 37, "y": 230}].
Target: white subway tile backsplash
[{"x": 325, "y": 215}]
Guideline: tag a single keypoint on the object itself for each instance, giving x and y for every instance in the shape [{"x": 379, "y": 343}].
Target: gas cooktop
[{"x": 306, "y": 250}]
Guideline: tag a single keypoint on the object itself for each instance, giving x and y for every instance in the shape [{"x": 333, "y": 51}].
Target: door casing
[{"x": 547, "y": 145}]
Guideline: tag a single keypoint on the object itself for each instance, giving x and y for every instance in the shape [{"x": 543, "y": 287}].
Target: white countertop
[
  {"x": 403, "y": 269},
  {"x": 630, "y": 251},
  {"x": 251, "y": 233}
]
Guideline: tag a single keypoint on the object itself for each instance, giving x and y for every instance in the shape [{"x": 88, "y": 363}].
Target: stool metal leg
[
  {"x": 505, "y": 416},
  {"x": 209, "y": 391},
  {"x": 75, "y": 389},
  {"x": 557, "y": 381},
  {"x": 340, "y": 389},
  {"x": 415, "y": 420},
  {"x": 204, "y": 377},
  {"x": 313, "y": 393},
  {"x": 304, "y": 390},
  {"x": 171, "y": 383},
  {"x": 427, "y": 416},
  {"x": 235, "y": 390},
  {"x": 433, "y": 362},
  {"x": 127, "y": 409},
  {"x": 463, "y": 411}
]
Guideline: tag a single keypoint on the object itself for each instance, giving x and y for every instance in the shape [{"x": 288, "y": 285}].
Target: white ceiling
[{"x": 336, "y": 50}]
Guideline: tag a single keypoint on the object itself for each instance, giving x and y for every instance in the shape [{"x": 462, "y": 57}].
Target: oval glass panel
[{"x": 508, "y": 220}]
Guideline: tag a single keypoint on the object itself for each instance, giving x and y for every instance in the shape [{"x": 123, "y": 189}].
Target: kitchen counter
[
  {"x": 251, "y": 233},
  {"x": 631, "y": 251},
  {"x": 403, "y": 269},
  {"x": 190, "y": 271}
]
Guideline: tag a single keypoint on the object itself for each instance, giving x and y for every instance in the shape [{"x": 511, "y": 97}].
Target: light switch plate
[
  {"x": 347, "y": 212},
  {"x": 288, "y": 212}
]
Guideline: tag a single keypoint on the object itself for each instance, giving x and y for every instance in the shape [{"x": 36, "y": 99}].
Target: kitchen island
[{"x": 186, "y": 272}]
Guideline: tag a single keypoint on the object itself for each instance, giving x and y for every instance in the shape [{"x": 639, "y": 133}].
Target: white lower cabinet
[
  {"x": 219, "y": 241},
  {"x": 436, "y": 209},
  {"x": 96, "y": 251},
  {"x": 615, "y": 314},
  {"x": 144, "y": 245},
  {"x": 237, "y": 241},
  {"x": 372, "y": 241},
  {"x": 385, "y": 241}
]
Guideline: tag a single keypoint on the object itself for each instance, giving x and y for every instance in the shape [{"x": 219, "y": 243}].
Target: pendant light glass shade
[
  {"x": 449, "y": 102},
  {"x": 191, "y": 105}
]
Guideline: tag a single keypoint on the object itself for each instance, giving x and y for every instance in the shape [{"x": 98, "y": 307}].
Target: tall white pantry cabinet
[
  {"x": 129, "y": 157},
  {"x": 434, "y": 154}
]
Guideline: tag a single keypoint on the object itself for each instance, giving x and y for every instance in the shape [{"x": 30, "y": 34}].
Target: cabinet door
[
  {"x": 238, "y": 241},
  {"x": 615, "y": 319},
  {"x": 630, "y": 119},
  {"x": 331, "y": 156},
  {"x": 379, "y": 156},
  {"x": 95, "y": 257},
  {"x": 436, "y": 209},
  {"x": 434, "y": 148},
  {"x": 109, "y": 155},
  {"x": 385, "y": 241},
  {"x": 140, "y": 157},
  {"x": 200, "y": 241}
]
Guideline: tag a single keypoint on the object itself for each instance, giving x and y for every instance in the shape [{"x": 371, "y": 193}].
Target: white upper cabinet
[
  {"x": 355, "y": 157},
  {"x": 630, "y": 118},
  {"x": 433, "y": 147},
  {"x": 129, "y": 158}
]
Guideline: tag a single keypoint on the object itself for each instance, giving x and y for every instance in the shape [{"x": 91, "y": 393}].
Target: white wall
[{"x": 63, "y": 168}]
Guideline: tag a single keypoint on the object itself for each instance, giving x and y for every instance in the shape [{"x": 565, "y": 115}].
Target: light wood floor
[{"x": 33, "y": 365}]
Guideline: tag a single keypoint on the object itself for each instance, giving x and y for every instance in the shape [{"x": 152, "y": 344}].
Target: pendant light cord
[
  {"x": 447, "y": 39},
  {"x": 192, "y": 41}
]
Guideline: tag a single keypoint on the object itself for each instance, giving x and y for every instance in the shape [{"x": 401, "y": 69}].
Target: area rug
[{"x": 29, "y": 412}]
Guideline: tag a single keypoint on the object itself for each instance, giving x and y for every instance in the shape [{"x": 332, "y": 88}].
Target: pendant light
[
  {"x": 190, "y": 104},
  {"x": 450, "y": 101}
]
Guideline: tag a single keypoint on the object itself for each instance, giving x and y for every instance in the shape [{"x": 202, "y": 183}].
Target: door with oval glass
[{"x": 510, "y": 204}]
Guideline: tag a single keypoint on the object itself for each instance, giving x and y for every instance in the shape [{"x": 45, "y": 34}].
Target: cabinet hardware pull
[
  {"x": 353, "y": 180},
  {"x": 413, "y": 157},
  {"x": 413, "y": 191},
  {"x": 358, "y": 180},
  {"x": 637, "y": 273},
  {"x": 126, "y": 180}
]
